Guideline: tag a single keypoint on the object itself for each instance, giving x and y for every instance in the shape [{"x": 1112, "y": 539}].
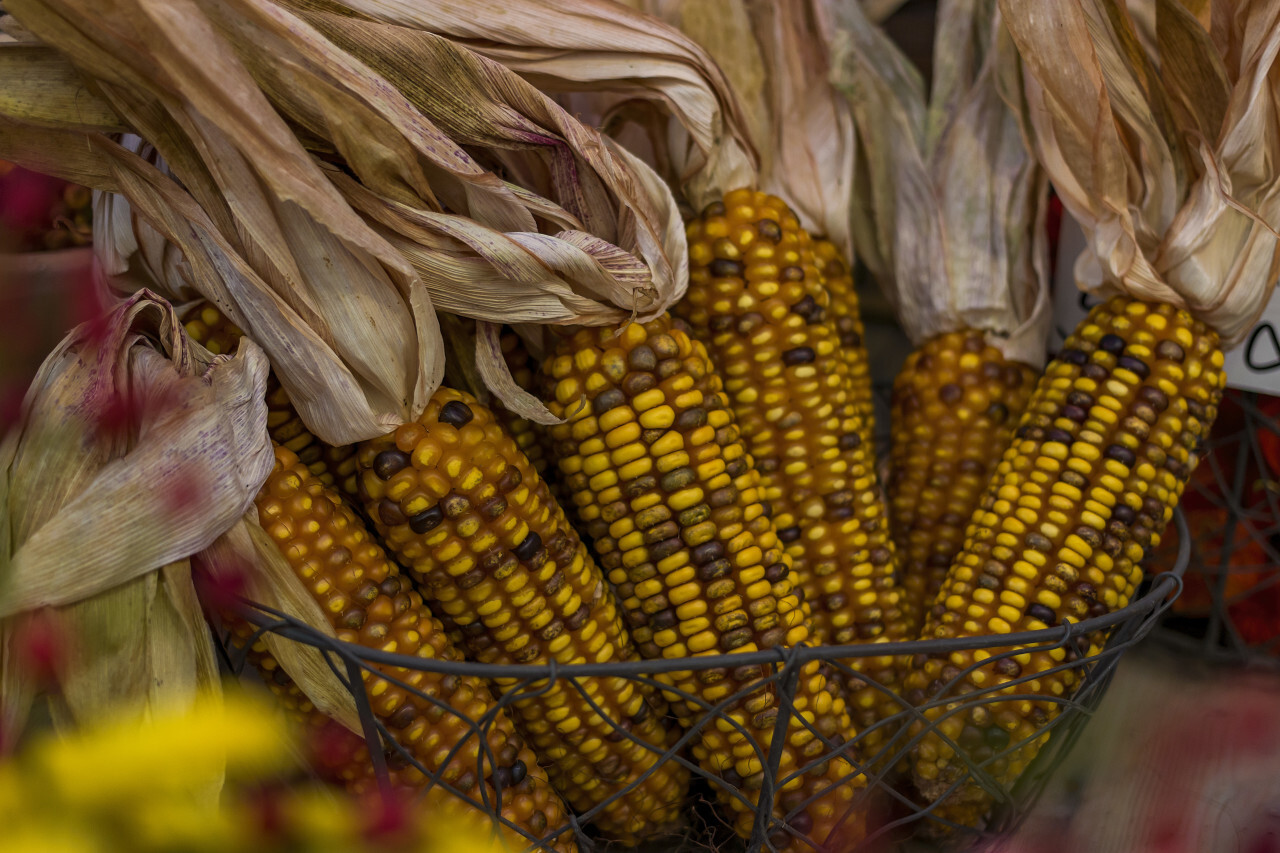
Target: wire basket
[
  {"x": 901, "y": 815},
  {"x": 1230, "y": 610}
]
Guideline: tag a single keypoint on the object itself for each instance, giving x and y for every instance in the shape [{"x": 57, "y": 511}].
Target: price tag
[{"x": 1253, "y": 365}]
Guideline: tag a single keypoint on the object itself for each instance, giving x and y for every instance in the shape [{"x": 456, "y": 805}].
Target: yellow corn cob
[
  {"x": 335, "y": 466},
  {"x": 370, "y": 604},
  {"x": 1085, "y": 489},
  {"x": 845, "y": 315},
  {"x": 667, "y": 491},
  {"x": 756, "y": 299},
  {"x": 955, "y": 404},
  {"x": 460, "y": 504}
]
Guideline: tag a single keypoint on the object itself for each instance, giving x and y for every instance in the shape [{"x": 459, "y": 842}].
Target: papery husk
[
  {"x": 135, "y": 449},
  {"x": 608, "y": 59},
  {"x": 777, "y": 56},
  {"x": 245, "y": 99},
  {"x": 1167, "y": 160},
  {"x": 949, "y": 208}
]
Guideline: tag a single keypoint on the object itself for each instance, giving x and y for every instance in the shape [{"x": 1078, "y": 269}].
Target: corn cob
[
  {"x": 458, "y": 502},
  {"x": 1083, "y": 492},
  {"x": 531, "y": 438},
  {"x": 668, "y": 493},
  {"x": 955, "y": 404},
  {"x": 334, "y": 466},
  {"x": 845, "y": 315},
  {"x": 372, "y": 605},
  {"x": 755, "y": 299}
]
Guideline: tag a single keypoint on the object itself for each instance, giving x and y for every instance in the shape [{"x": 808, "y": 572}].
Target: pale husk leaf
[
  {"x": 273, "y": 583},
  {"x": 777, "y": 57},
  {"x": 125, "y": 510},
  {"x": 1174, "y": 209},
  {"x": 593, "y": 46},
  {"x": 233, "y": 92},
  {"x": 43, "y": 88},
  {"x": 950, "y": 205},
  {"x": 101, "y": 510}
]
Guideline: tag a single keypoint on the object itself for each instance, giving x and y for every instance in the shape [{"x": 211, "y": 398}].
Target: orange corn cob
[
  {"x": 370, "y": 604},
  {"x": 1099, "y": 459},
  {"x": 667, "y": 492},
  {"x": 460, "y": 504}
]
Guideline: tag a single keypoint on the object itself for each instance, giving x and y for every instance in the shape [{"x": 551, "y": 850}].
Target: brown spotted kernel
[
  {"x": 338, "y": 550},
  {"x": 723, "y": 551},
  {"x": 496, "y": 536},
  {"x": 1065, "y": 526}
]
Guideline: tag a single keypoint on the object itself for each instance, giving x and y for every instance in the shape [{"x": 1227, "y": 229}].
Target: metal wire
[
  {"x": 1237, "y": 484},
  {"x": 1124, "y": 628}
]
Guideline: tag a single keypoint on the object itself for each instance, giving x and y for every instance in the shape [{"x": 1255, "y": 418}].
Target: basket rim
[{"x": 1164, "y": 587}]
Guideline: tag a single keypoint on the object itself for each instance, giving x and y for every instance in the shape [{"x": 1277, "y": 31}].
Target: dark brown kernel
[
  {"x": 690, "y": 419},
  {"x": 1012, "y": 377},
  {"x": 1153, "y": 397},
  {"x": 849, "y": 441},
  {"x": 1061, "y": 436},
  {"x": 1121, "y": 454},
  {"x": 1009, "y": 667},
  {"x": 665, "y": 548},
  {"x": 799, "y": 355},
  {"x": 789, "y": 534},
  {"x": 1044, "y": 614},
  {"x": 725, "y": 268},
  {"x": 637, "y": 383},
  {"x": 469, "y": 579},
  {"x": 1095, "y": 371},
  {"x": 792, "y": 273},
  {"x": 1075, "y": 413},
  {"x": 951, "y": 393},
  {"x": 509, "y": 479},
  {"x": 388, "y": 463},
  {"x": 769, "y": 230},
  {"x": 707, "y": 552},
  {"x": 642, "y": 358},
  {"x": 1113, "y": 344},
  {"x": 528, "y": 547},
  {"x": 1073, "y": 356},
  {"x": 608, "y": 399},
  {"x": 456, "y": 413},
  {"x": 389, "y": 512},
  {"x": 1139, "y": 367},
  {"x": 454, "y": 504},
  {"x": 1081, "y": 399},
  {"x": 1039, "y": 541},
  {"x": 998, "y": 412},
  {"x": 1123, "y": 514}
]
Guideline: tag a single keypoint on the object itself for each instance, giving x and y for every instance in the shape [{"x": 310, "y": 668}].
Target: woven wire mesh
[
  {"x": 903, "y": 815},
  {"x": 1231, "y": 608}
]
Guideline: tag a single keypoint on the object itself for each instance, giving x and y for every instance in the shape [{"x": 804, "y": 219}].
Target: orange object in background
[{"x": 1232, "y": 506}]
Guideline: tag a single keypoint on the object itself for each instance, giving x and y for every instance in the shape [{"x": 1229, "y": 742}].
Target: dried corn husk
[
  {"x": 949, "y": 205},
  {"x": 776, "y": 56},
  {"x": 608, "y": 60},
  {"x": 1168, "y": 159},
  {"x": 135, "y": 450},
  {"x": 466, "y": 189}
]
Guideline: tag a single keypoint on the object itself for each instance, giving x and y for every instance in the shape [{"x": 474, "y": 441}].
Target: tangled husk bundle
[
  {"x": 949, "y": 203},
  {"x": 1160, "y": 130}
]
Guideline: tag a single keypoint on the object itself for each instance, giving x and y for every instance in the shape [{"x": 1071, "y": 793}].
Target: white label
[{"x": 1254, "y": 365}]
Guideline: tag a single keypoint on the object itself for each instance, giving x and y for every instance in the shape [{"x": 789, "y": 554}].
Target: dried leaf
[
  {"x": 42, "y": 88},
  {"x": 950, "y": 214},
  {"x": 1174, "y": 209},
  {"x": 132, "y": 452}
]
